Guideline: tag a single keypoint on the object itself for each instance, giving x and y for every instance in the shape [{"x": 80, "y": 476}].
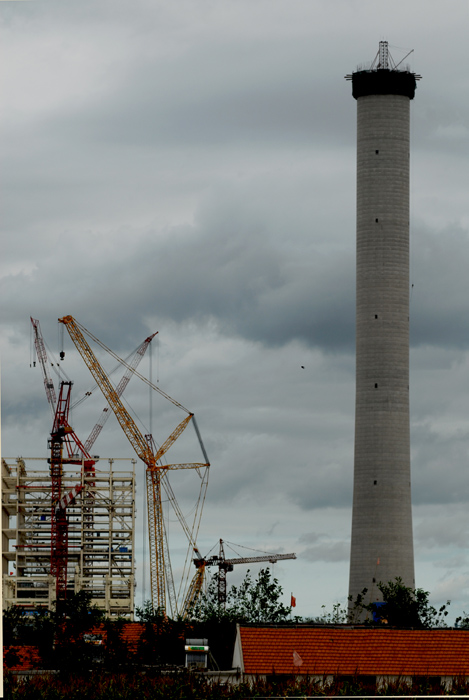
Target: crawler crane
[{"x": 156, "y": 472}]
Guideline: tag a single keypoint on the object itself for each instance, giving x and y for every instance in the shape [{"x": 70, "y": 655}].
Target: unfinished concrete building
[{"x": 101, "y": 527}]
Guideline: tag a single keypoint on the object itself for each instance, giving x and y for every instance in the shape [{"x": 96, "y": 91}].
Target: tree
[
  {"x": 404, "y": 607},
  {"x": 338, "y": 615},
  {"x": 147, "y": 613},
  {"x": 162, "y": 639},
  {"x": 401, "y": 607},
  {"x": 116, "y": 654},
  {"x": 79, "y": 612},
  {"x": 13, "y": 618},
  {"x": 73, "y": 618},
  {"x": 252, "y": 601},
  {"x": 57, "y": 634},
  {"x": 462, "y": 622}
]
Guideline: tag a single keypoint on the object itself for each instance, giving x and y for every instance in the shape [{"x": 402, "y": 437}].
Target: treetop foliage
[
  {"x": 408, "y": 607},
  {"x": 148, "y": 614},
  {"x": 253, "y": 601}
]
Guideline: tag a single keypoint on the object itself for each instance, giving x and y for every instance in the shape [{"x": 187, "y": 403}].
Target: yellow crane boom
[{"x": 126, "y": 421}]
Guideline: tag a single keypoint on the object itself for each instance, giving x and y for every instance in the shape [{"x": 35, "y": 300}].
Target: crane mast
[
  {"x": 59, "y": 531},
  {"x": 62, "y": 434},
  {"x": 62, "y": 443}
]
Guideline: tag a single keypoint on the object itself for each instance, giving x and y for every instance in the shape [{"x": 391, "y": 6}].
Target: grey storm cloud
[
  {"x": 437, "y": 460},
  {"x": 232, "y": 274},
  {"x": 245, "y": 97},
  {"x": 322, "y": 484},
  {"x": 430, "y": 533},
  {"x": 440, "y": 260},
  {"x": 230, "y": 271},
  {"x": 323, "y": 548}
]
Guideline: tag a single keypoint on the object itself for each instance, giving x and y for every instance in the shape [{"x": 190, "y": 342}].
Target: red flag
[{"x": 293, "y": 601}]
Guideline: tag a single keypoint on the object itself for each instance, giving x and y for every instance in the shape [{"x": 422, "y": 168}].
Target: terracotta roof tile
[
  {"x": 24, "y": 658},
  {"x": 21, "y": 658},
  {"x": 131, "y": 633},
  {"x": 350, "y": 651}
]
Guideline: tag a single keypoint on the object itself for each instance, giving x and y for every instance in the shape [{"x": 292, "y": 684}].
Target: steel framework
[{"x": 100, "y": 551}]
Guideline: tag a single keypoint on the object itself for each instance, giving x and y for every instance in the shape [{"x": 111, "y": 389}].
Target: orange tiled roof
[
  {"x": 333, "y": 651},
  {"x": 21, "y": 658},
  {"x": 131, "y": 633},
  {"x": 25, "y": 658}
]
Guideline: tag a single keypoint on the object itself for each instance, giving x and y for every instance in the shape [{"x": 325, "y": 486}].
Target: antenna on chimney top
[
  {"x": 383, "y": 59},
  {"x": 383, "y": 55}
]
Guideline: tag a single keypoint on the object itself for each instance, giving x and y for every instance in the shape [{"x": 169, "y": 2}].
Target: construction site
[{"x": 69, "y": 520}]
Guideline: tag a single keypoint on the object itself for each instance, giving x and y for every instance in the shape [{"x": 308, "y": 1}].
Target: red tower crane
[{"x": 62, "y": 434}]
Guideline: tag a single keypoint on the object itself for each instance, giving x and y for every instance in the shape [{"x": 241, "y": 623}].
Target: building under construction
[
  {"x": 100, "y": 525},
  {"x": 68, "y": 523}
]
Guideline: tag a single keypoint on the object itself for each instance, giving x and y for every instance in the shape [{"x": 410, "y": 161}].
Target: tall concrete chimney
[{"x": 382, "y": 542}]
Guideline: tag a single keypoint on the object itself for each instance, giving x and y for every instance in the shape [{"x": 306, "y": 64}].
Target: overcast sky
[{"x": 189, "y": 167}]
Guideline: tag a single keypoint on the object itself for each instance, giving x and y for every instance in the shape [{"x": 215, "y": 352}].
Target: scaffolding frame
[{"x": 101, "y": 535}]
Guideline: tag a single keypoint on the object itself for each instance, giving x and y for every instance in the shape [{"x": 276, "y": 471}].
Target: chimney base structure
[{"x": 382, "y": 540}]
